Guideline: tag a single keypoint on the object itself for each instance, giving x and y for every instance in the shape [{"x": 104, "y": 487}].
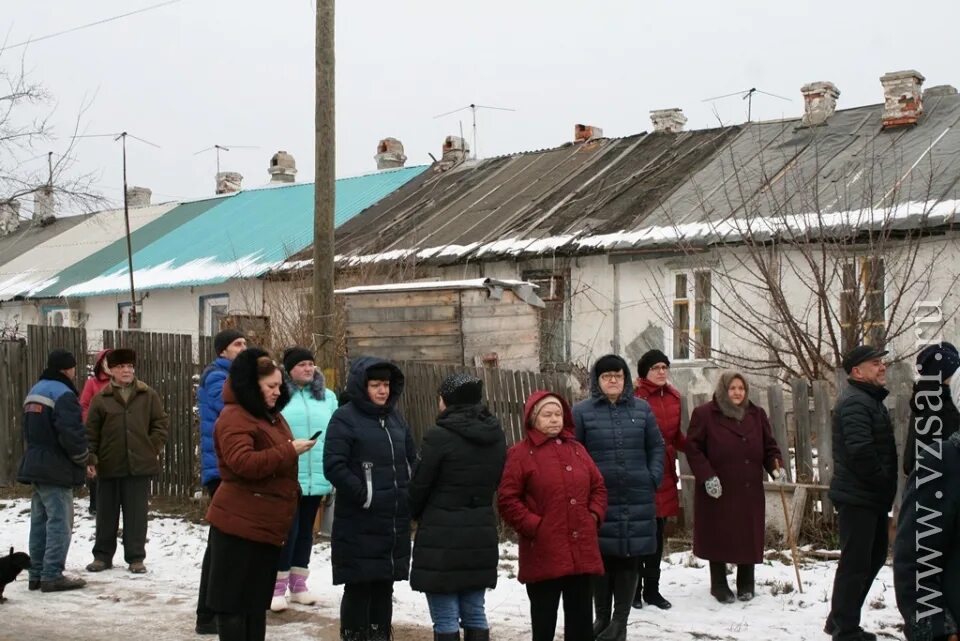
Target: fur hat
[
  {"x": 121, "y": 356},
  {"x": 292, "y": 356},
  {"x": 609, "y": 363},
  {"x": 650, "y": 359},
  {"x": 61, "y": 359},
  {"x": 379, "y": 373},
  {"x": 223, "y": 339},
  {"x": 461, "y": 389},
  {"x": 244, "y": 381}
]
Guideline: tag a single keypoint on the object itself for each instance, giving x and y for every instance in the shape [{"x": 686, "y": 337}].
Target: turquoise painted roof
[{"x": 212, "y": 241}]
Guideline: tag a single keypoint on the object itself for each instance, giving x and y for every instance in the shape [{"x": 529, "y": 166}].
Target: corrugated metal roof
[
  {"x": 38, "y": 268},
  {"x": 31, "y": 234},
  {"x": 241, "y": 236}
]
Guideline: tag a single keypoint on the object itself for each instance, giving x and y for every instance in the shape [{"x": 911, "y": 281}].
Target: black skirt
[{"x": 242, "y": 573}]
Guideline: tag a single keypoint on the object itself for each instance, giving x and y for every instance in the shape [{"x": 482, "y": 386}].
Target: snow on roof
[{"x": 473, "y": 283}]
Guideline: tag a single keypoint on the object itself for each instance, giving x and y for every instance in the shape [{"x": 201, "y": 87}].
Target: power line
[{"x": 91, "y": 24}]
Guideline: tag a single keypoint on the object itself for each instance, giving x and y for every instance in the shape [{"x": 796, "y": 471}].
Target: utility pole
[
  {"x": 133, "y": 322},
  {"x": 324, "y": 321}
]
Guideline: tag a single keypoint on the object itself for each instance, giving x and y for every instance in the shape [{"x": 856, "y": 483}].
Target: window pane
[
  {"x": 681, "y": 329},
  {"x": 680, "y": 288},
  {"x": 704, "y": 313}
]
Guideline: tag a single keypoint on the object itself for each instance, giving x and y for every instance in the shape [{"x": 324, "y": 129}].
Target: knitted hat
[
  {"x": 609, "y": 363},
  {"x": 60, "y": 360},
  {"x": 223, "y": 339},
  {"x": 121, "y": 356},
  {"x": 940, "y": 359},
  {"x": 461, "y": 389},
  {"x": 550, "y": 399},
  {"x": 292, "y": 356},
  {"x": 650, "y": 359}
]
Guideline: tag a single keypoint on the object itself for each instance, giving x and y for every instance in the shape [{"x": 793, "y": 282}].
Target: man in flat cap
[
  {"x": 863, "y": 487},
  {"x": 127, "y": 429}
]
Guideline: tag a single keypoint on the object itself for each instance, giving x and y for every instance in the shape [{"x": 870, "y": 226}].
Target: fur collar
[{"x": 317, "y": 385}]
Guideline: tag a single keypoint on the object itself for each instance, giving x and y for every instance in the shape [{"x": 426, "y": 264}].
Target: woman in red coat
[
  {"x": 731, "y": 448},
  {"x": 553, "y": 495},
  {"x": 653, "y": 387},
  {"x": 99, "y": 379}
]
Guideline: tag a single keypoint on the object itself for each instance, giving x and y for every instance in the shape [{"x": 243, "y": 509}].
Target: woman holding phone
[{"x": 308, "y": 412}]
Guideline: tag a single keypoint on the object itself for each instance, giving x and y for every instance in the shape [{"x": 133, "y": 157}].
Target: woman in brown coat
[
  {"x": 731, "y": 448},
  {"x": 252, "y": 510}
]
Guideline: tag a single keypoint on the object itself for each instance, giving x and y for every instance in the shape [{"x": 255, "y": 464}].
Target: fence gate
[{"x": 165, "y": 363}]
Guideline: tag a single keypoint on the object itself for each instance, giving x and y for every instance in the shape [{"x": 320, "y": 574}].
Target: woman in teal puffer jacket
[{"x": 308, "y": 412}]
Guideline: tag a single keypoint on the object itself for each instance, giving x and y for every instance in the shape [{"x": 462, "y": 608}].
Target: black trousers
[
  {"x": 367, "y": 609},
  {"x": 205, "y": 614},
  {"x": 577, "y": 608},
  {"x": 650, "y": 565},
  {"x": 127, "y": 494},
  {"x": 863, "y": 551}
]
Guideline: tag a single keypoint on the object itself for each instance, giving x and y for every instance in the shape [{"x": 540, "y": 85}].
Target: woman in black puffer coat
[
  {"x": 367, "y": 457},
  {"x": 455, "y": 555}
]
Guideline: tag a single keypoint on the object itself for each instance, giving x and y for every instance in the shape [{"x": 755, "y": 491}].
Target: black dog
[{"x": 10, "y": 567}]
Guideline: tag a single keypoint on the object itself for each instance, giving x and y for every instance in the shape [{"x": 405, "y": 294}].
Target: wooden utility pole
[{"x": 324, "y": 192}]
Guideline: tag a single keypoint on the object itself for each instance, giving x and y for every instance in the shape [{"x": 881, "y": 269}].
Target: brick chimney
[
  {"x": 455, "y": 149},
  {"x": 902, "y": 98},
  {"x": 283, "y": 168},
  {"x": 670, "y": 121},
  {"x": 9, "y": 217},
  {"x": 819, "y": 102},
  {"x": 390, "y": 154},
  {"x": 228, "y": 182},
  {"x": 583, "y": 133},
  {"x": 138, "y": 196},
  {"x": 44, "y": 205}
]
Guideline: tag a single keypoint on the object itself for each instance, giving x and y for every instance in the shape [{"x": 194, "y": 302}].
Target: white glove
[
  {"x": 779, "y": 476},
  {"x": 713, "y": 488}
]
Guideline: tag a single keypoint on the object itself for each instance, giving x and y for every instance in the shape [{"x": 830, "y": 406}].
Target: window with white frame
[
  {"x": 692, "y": 330},
  {"x": 125, "y": 318},
  {"x": 212, "y": 309},
  {"x": 863, "y": 303}
]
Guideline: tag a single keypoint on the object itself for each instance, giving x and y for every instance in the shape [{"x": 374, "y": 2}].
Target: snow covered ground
[{"x": 160, "y": 605}]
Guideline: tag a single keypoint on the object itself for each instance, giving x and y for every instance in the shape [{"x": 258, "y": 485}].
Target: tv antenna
[
  {"x": 133, "y": 322},
  {"x": 473, "y": 108},
  {"x": 747, "y": 94},
  {"x": 220, "y": 148}
]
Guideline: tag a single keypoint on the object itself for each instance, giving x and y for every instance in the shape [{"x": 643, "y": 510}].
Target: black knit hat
[
  {"x": 609, "y": 363},
  {"x": 60, "y": 360},
  {"x": 121, "y": 356},
  {"x": 938, "y": 360},
  {"x": 461, "y": 389},
  {"x": 294, "y": 355},
  {"x": 223, "y": 339},
  {"x": 650, "y": 359}
]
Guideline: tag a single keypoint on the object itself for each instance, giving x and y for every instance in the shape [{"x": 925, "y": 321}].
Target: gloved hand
[
  {"x": 713, "y": 488},
  {"x": 779, "y": 476}
]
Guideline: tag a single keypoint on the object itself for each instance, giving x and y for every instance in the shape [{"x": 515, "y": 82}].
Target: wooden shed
[{"x": 467, "y": 322}]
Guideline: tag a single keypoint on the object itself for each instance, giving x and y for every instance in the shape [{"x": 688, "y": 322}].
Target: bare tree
[
  {"x": 26, "y": 135},
  {"x": 804, "y": 269}
]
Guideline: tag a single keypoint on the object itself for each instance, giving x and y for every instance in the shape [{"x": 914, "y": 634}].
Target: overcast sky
[{"x": 241, "y": 72}]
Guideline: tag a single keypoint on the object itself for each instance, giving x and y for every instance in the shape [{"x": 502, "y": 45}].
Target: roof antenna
[
  {"x": 220, "y": 148},
  {"x": 747, "y": 94},
  {"x": 473, "y": 108}
]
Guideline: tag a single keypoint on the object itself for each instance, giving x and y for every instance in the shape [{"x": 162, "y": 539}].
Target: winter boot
[
  {"x": 476, "y": 634},
  {"x": 745, "y": 587},
  {"x": 347, "y": 634},
  {"x": 624, "y": 589},
  {"x": 382, "y": 632},
  {"x": 602, "y": 602},
  {"x": 651, "y": 589},
  {"x": 718, "y": 583},
  {"x": 638, "y": 597},
  {"x": 446, "y": 636},
  {"x": 279, "y": 602},
  {"x": 299, "y": 593},
  {"x": 232, "y": 627}
]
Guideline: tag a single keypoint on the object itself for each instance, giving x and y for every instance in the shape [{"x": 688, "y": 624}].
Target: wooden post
[
  {"x": 778, "y": 422},
  {"x": 824, "y": 428},
  {"x": 804, "y": 443}
]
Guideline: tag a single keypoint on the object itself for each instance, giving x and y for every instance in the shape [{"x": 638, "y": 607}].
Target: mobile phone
[{"x": 316, "y": 435}]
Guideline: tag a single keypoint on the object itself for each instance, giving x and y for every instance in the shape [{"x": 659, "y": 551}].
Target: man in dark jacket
[
  {"x": 456, "y": 553},
  {"x": 227, "y": 344},
  {"x": 863, "y": 487},
  {"x": 621, "y": 434},
  {"x": 368, "y": 453},
  {"x": 127, "y": 429},
  {"x": 54, "y": 460}
]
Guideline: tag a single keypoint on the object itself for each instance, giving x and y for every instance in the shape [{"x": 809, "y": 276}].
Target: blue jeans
[
  {"x": 296, "y": 551},
  {"x": 51, "y": 524},
  {"x": 449, "y": 611}
]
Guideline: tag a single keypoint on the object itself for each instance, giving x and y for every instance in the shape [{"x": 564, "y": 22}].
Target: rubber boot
[
  {"x": 602, "y": 603},
  {"x": 299, "y": 592},
  {"x": 279, "y": 601},
  {"x": 745, "y": 584},
  {"x": 718, "y": 583},
  {"x": 624, "y": 589},
  {"x": 232, "y": 627}
]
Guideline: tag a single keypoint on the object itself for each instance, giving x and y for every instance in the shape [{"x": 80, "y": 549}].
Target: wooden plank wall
[
  {"x": 165, "y": 363},
  {"x": 12, "y": 392},
  {"x": 508, "y": 327}
]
